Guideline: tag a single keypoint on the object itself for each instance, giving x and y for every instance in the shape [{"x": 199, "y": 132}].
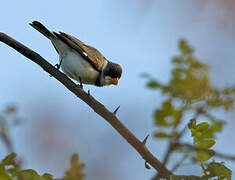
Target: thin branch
[
  {"x": 209, "y": 151},
  {"x": 179, "y": 163},
  {"x": 168, "y": 153},
  {"x": 6, "y": 139},
  {"x": 90, "y": 101},
  {"x": 172, "y": 143}
]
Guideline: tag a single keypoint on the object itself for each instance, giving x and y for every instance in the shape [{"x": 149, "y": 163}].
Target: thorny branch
[{"x": 90, "y": 101}]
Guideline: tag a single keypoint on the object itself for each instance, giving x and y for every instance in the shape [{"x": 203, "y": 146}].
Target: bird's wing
[{"x": 92, "y": 55}]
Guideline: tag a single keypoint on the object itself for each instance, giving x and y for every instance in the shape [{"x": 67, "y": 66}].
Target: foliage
[
  {"x": 10, "y": 170},
  {"x": 75, "y": 171},
  {"x": 189, "y": 91},
  {"x": 8, "y": 118},
  {"x": 10, "y": 167}
]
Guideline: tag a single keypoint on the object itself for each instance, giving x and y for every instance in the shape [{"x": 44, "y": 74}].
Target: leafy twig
[{"x": 209, "y": 151}]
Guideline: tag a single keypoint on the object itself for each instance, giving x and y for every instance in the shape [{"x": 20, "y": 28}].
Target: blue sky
[{"x": 141, "y": 36}]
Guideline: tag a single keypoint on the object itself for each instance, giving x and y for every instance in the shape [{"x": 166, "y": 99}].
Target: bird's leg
[
  {"x": 80, "y": 81},
  {"x": 58, "y": 65}
]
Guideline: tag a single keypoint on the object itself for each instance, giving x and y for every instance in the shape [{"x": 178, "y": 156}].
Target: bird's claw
[
  {"x": 81, "y": 85},
  {"x": 57, "y": 66}
]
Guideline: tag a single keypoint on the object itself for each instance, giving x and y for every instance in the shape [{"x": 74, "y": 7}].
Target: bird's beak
[{"x": 114, "y": 81}]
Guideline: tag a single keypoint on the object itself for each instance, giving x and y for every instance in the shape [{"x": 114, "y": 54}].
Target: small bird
[{"x": 79, "y": 61}]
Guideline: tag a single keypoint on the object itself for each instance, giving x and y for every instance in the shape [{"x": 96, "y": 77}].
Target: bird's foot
[
  {"x": 79, "y": 86},
  {"x": 80, "y": 81},
  {"x": 57, "y": 66}
]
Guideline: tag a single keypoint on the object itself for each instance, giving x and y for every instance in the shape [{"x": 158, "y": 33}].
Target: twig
[
  {"x": 172, "y": 143},
  {"x": 209, "y": 151},
  {"x": 168, "y": 153},
  {"x": 178, "y": 164},
  {"x": 89, "y": 100},
  {"x": 6, "y": 139}
]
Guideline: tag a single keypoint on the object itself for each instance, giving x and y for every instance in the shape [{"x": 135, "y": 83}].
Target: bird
[{"x": 79, "y": 61}]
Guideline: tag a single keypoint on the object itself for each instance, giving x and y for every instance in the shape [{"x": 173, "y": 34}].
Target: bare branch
[
  {"x": 178, "y": 164},
  {"x": 6, "y": 139},
  {"x": 90, "y": 101},
  {"x": 172, "y": 143}
]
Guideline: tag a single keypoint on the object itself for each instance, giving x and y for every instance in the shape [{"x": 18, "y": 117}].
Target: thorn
[
  {"x": 145, "y": 140},
  {"x": 115, "y": 112},
  {"x": 146, "y": 165},
  {"x": 88, "y": 92}
]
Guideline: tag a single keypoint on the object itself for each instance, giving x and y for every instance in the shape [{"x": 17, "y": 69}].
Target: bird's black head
[
  {"x": 112, "y": 73},
  {"x": 113, "y": 70}
]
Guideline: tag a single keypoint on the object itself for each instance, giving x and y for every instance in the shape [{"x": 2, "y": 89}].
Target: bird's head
[{"x": 111, "y": 74}]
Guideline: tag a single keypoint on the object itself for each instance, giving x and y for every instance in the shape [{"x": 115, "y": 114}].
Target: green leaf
[
  {"x": 29, "y": 174},
  {"x": 47, "y": 176},
  {"x": 202, "y": 126},
  {"x": 153, "y": 84},
  {"x": 206, "y": 144},
  {"x": 168, "y": 115},
  {"x": 9, "y": 160},
  {"x": 75, "y": 171},
  {"x": 165, "y": 89},
  {"x": 177, "y": 60},
  {"x": 217, "y": 125},
  {"x": 184, "y": 47},
  {"x": 5, "y": 177},
  {"x": 9, "y": 165},
  {"x": 218, "y": 170},
  {"x": 228, "y": 104},
  {"x": 161, "y": 135},
  {"x": 204, "y": 156}
]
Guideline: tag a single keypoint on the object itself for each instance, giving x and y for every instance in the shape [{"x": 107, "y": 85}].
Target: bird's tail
[{"x": 42, "y": 29}]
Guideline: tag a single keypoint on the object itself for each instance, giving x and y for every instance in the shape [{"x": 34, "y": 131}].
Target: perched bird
[{"x": 79, "y": 61}]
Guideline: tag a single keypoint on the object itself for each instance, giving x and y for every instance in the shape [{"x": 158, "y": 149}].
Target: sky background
[{"x": 140, "y": 35}]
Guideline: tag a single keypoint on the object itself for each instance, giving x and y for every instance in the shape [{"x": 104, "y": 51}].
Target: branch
[
  {"x": 209, "y": 151},
  {"x": 90, "y": 101},
  {"x": 178, "y": 164},
  {"x": 6, "y": 140},
  {"x": 171, "y": 146}
]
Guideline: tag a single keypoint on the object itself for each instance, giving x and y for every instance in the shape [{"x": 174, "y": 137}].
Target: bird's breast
[{"x": 76, "y": 67}]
